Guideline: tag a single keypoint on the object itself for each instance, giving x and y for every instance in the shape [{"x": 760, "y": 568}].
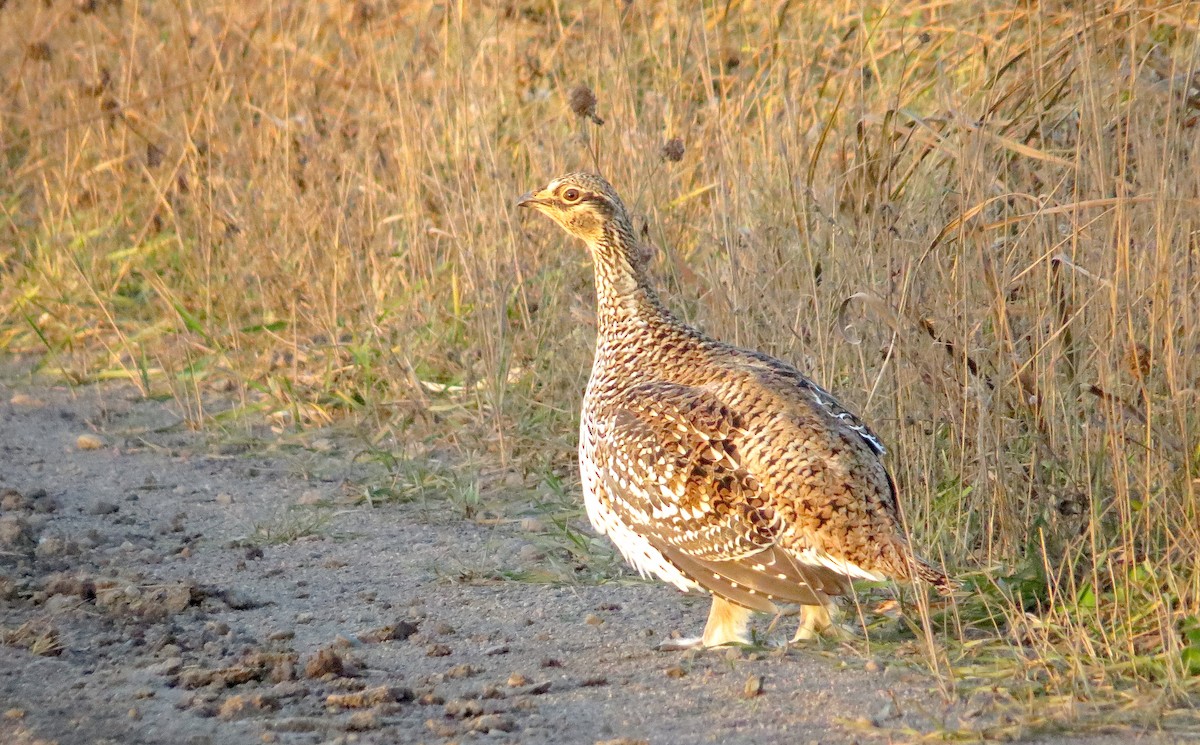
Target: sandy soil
[{"x": 140, "y": 603}]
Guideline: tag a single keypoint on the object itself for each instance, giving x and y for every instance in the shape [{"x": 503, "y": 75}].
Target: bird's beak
[{"x": 529, "y": 199}]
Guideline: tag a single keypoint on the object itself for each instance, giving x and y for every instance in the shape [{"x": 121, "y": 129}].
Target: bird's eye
[{"x": 571, "y": 195}]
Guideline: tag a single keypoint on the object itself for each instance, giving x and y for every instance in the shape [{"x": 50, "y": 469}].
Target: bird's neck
[{"x": 626, "y": 303}]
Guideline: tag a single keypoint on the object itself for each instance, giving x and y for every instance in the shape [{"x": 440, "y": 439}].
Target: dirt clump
[
  {"x": 238, "y": 706},
  {"x": 325, "y": 662},
  {"x": 369, "y": 697},
  {"x": 148, "y": 603},
  {"x": 398, "y": 630},
  {"x": 17, "y": 536},
  {"x": 277, "y": 667}
]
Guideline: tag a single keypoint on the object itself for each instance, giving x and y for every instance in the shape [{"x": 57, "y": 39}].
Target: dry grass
[{"x": 980, "y": 224}]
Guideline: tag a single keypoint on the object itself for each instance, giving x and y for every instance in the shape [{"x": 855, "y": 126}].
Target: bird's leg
[
  {"x": 821, "y": 620},
  {"x": 726, "y": 625},
  {"x": 814, "y": 620}
]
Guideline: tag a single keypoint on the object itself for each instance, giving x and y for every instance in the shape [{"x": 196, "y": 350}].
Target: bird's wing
[
  {"x": 888, "y": 546},
  {"x": 673, "y": 474},
  {"x": 780, "y": 372}
]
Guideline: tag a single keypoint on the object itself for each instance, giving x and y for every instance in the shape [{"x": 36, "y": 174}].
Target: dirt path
[{"x": 157, "y": 589}]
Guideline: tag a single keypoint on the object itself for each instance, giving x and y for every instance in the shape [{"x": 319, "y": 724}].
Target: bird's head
[{"x": 581, "y": 203}]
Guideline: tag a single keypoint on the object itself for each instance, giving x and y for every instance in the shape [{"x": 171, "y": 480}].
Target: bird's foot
[
  {"x": 834, "y": 631},
  {"x": 818, "y": 621},
  {"x": 681, "y": 644}
]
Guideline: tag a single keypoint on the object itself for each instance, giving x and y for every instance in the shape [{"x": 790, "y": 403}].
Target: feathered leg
[
  {"x": 726, "y": 625},
  {"x": 818, "y": 620}
]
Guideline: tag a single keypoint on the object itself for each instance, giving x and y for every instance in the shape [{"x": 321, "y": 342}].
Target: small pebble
[
  {"x": 168, "y": 666},
  {"x": 50, "y": 546},
  {"x": 21, "y": 399},
  {"x": 238, "y": 600},
  {"x": 325, "y": 662},
  {"x": 461, "y": 708},
  {"x": 675, "y": 671},
  {"x": 462, "y": 671},
  {"x": 493, "y": 723},
  {"x": 220, "y": 628},
  {"x": 888, "y": 712},
  {"x": 310, "y": 497},
  {"x": 516, "y": 680},
  {"x": 530, "y": 554},
  {"x": 441, "y": 728},
  {"x": 397, "y": 630},
  {"x": 361, "y": 721},
  {"x": 11, "y": 500},
  {"x": 491, "y": 691},
  {"x": 532, "y": 525},
  {"x": 89, "y": 442},
  {"x": 753, "y": 686},
  {"x": 593, "y": 620}
]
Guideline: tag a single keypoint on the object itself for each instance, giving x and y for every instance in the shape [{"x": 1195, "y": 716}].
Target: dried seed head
[
  {"x": 101, "y": 85},
  {"x": 111, "y": 108},
  {"x": 673, "y": 150},
  {"x": 583, "y": 103},
  {"x": 40, "y": 51},
  {"x": 364, "y": 13},
  {"x": 1137, "y": 360}
]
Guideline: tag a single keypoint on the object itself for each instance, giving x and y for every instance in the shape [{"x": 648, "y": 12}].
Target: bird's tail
[
  {"x": 915, "y": 568},
  {"x": 942, "y": 582}
]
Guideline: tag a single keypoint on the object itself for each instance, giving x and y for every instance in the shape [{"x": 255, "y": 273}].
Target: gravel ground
[{"x": 140, "y": 603}]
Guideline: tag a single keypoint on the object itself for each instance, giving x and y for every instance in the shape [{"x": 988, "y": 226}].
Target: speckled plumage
[{"x": 714, "y": 467}]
